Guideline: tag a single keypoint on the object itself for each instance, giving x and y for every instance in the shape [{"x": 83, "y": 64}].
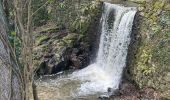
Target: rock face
[
  {"x": 67, "y": 47},
  {"x": 149, "y": 56},
  {"x": 61, "y": 51}
]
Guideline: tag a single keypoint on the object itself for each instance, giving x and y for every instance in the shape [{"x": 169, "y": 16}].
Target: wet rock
[
  {"x": 62, "y": 66},
  {"x": 62, "y": 53},
  {"x": 42, "y": 69},
  {"x": 128, "y": 91},
  {"x": 75, "y": 61},
  {"x": 149, "y": 94},
  {"x": 103, "y": 98}
]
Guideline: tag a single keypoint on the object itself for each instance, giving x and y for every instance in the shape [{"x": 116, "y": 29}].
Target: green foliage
[
  {"x": 144, "y": 64},
  {"x": 151, "y": 10},
  {"x": 42, "y": 15},
  {"x": 158, "y": 4},
  {"x": 83, "y": 21},
  {"x": 51, "y": 1},
  {"x": 62, "y": 5},
  {"x": 81, "y": 24},
  {"x": 15, "y": 43}
]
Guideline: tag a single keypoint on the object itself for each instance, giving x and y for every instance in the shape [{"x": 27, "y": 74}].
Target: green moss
[
  {"x": 153, "y": 60},
  {"x": 144, "y": 65},
  {"x": 152, "y": 11},
  {"x": 161, "y": 52},
  {"x": 165, "y": 19},
  {"x": 70, "y": 39},
  {"x": 164, "y": 98},
  {"x": 159, "y": 4},
  {"x": 138, "y": 1},
  {"x": 50, "y": 30},
  {"x": 151, "y": 63},
  {"x": 41, "y": 39}
]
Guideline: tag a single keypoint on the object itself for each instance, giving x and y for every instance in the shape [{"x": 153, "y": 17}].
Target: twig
[{"x": 40, "y": 8}]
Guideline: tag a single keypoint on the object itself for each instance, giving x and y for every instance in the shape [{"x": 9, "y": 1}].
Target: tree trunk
[{"x": 10, "y": 80}]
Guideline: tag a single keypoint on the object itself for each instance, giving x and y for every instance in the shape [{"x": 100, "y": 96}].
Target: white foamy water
[
  {"x": 116, "y": 25},
  {"x": 106, "y": 72}
]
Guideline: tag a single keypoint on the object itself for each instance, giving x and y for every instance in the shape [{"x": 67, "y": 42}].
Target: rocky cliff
[{"x": 150, "y": 64}]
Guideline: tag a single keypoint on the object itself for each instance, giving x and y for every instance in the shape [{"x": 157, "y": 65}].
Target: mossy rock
[
  {"x": 50, "y": 30},
  {"x": 70, "y": 38},
  {"x": 40, "y": 39},
  {"x": 152, "y": 61},
  {"x": 138, "y": 1}
]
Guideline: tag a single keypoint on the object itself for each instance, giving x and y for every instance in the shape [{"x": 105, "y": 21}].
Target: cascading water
[{"x": 106, "y": 71}]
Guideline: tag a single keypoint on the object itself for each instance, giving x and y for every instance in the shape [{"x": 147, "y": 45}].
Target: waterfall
[{"x": 116, "y": 25}]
